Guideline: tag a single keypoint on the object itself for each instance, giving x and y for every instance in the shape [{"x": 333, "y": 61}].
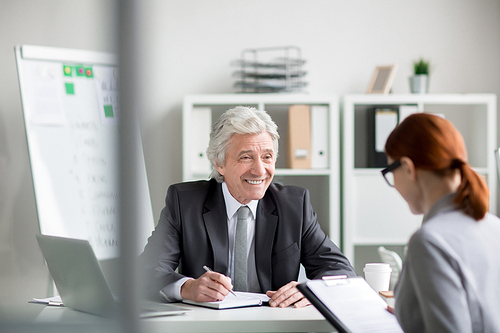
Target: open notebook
[
  {"x": 81, "y": 282},
  {"x": 241, "y": 299}
]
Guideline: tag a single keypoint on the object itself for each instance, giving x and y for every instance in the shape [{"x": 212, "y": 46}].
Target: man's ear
[
  {"x": 220, "y": 169},
  {"x": 409, "y": 167}
]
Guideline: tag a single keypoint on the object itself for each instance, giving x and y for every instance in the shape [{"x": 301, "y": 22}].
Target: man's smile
[{"x": 254, "y": 182}]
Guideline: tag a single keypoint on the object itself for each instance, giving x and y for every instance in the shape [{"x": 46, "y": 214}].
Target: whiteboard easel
[{"x": 71, "y": 110}]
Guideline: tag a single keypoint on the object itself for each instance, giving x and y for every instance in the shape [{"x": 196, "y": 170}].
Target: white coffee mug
[{"x": 378, "y": 276}]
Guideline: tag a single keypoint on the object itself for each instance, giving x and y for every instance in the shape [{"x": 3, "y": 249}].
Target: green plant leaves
[{"x": 421, "y": 66}]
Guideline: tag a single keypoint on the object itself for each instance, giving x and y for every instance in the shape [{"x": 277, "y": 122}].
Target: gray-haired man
[{"x": 197, "y": 227}]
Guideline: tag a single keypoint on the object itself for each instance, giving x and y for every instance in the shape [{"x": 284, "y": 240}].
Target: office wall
[{"x": 187, "y": 47}]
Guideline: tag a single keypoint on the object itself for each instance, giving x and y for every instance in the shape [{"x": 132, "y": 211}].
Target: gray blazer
[
  {"x": 192, "y": 232},
  {"x": 451, "y": 276}
]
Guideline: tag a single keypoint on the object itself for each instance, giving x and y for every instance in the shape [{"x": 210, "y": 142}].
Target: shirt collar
[
  {"x": 232, "y": 205},
  {"x": 445, "y": 203}
]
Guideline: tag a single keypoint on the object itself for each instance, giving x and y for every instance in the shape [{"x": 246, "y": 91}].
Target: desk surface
[{"x": 199, "y": 319}]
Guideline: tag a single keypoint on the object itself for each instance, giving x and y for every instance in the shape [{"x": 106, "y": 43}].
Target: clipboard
[{"x": 350, "y": 305}]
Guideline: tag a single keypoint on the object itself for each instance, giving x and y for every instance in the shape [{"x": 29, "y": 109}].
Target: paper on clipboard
[{"x": 352, "y": 304}]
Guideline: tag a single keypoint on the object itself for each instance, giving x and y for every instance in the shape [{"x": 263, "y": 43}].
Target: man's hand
[
  {"x": 209, "y": 287},
  {"x": 287, "y": 295}
]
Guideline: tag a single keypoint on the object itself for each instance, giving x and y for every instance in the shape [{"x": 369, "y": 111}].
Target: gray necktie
[{"x": 240, "y": 251}]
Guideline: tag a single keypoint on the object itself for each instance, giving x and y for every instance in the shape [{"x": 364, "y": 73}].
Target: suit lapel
[
  {"x": 265, "y": 229},
  {"x": 215, "y": 218}
]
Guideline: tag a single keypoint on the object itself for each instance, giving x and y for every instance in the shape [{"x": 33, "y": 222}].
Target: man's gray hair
[{"x": 240, "y": 120}]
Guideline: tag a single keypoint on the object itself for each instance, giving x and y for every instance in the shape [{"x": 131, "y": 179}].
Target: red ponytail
[{"x": 473, "y": 194}]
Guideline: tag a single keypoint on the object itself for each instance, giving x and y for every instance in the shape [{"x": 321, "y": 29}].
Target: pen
[{"x": 209, "y": 270}]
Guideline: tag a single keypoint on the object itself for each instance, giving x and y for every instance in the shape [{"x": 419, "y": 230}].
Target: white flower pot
[{"x": 419, "y": 84}]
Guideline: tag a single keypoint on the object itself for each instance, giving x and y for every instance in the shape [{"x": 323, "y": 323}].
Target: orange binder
[{"x": 299, "y": 137}]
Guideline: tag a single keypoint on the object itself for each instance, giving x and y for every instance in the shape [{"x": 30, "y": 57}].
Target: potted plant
[{"x": 419, "y": 82}]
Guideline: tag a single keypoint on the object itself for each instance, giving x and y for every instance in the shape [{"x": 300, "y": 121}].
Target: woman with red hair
[{"x": 451, "y": 275}]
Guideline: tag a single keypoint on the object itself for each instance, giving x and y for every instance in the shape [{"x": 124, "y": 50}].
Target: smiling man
[{"x": 259, "y": 250}]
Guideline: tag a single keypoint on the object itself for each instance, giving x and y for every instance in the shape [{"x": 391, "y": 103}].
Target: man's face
[{"x": 249, "y": 166}]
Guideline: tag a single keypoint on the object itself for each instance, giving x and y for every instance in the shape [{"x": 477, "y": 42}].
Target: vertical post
[{"x": 129, "y": 59}]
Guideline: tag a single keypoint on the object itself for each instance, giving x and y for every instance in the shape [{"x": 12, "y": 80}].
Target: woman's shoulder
[{"x": 454, "y": 228}]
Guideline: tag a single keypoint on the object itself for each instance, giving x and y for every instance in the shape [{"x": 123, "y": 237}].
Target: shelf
[
  {"x": 374, "y": 213},
  {"x": 438, "y": 99},
  {"x": 323, "y": 184},
  {"x": 265, "y": 99}
]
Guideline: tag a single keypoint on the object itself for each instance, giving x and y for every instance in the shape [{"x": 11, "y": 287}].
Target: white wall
[{"x": 187, "y": 48}]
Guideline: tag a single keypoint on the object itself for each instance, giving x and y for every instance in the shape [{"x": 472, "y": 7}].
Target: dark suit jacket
[{"x": 192, "y": 232}]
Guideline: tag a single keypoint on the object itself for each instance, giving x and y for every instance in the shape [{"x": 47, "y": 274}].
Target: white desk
[{"x": 252, "y": 319}]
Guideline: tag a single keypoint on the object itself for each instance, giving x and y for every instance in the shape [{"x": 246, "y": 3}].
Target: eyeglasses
[{"x": 387, "y": 173}]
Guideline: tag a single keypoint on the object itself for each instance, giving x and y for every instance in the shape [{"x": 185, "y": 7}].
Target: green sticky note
[
  {"x": 89, "y": 72},
  {"x": 108, "y": 111},
  {"x": 70, "y": 88},
  {"x": 68, "y": 70},
  {"x": 80, "y": 71}
]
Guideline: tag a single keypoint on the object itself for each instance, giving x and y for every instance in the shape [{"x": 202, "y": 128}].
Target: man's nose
[{"x": 258, "y": 167}]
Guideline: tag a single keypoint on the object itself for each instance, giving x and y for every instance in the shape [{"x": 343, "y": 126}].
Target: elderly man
[{"x": 204, "y": 224}]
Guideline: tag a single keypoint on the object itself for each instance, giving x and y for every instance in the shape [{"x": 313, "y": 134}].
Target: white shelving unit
[
  {"x": 323, "y": 184},
  {"x": 375, "y": 214}
]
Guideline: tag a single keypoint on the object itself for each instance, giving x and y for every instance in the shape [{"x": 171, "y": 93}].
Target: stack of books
[{"x": 270, "y": 70}]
